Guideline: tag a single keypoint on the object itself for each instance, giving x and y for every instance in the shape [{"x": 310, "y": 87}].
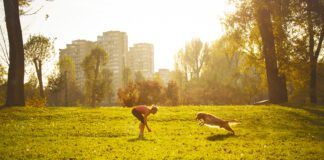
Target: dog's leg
[
  {"x": 227, "y": 127},
  {"x": 201, "y": 123}
]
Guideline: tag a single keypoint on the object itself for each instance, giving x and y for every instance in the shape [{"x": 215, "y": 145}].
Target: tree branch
[
  {"x": 310, "y": 30},
  {"x": 29, "y": 14},
  {"x": 4, "y": 48},
  {"x": 319, "y": 46}
]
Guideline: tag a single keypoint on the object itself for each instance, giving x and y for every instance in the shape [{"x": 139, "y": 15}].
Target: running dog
[{"x": 212, "y": 121}]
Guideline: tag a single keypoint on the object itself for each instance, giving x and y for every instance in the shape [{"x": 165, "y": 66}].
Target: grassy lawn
[{"x": 265, "y": 132}]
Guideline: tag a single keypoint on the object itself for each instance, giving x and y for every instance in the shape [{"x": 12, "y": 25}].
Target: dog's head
[{"x": 200, "y": 116}]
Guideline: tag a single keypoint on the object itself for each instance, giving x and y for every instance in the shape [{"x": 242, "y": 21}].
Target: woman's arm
[{"x": 148, "y": 128}]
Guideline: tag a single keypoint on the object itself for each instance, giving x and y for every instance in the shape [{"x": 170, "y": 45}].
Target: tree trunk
[
  {"x": 312, "y": 82},
  {"x": 38, "y": 67},
  {"x": 93, "y": 98},
  {"x": 66, "y": 88},
  {"x": 313, "y": 55},
  {"x": 276, "y": 84},
  {"x": 312, "y": 60},
  {"x": 15, "y": 87}
]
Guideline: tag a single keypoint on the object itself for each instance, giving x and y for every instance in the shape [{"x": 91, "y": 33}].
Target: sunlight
[
  {"x": 161, "y": 79},
  {"x": 167, "y": 24}
]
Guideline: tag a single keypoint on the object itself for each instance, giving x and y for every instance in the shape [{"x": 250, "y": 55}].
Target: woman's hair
[{"x": 154, "y": 108}]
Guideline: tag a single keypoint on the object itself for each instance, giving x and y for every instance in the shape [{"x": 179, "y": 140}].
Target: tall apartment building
[
  {"x": 140, "y": 58},
  {"x": 78, "y": 50},
  {"x": 165, "y": 75},
  {"x": 115, "y": 43}
]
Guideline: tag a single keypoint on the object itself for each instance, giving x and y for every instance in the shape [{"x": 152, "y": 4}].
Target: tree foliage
[
  {"x": 38, "y": 49},
  {"x": 191, "y": 59},
  {"x": 54, "y": 90},
  {"x": 143, "y": 92},
  {"x": 3, "y": 84},
  {"x": 128, "y": 96},
  {"x": 172, "y": 93},
  {"x": 150, "y": 92},
  {"x": 61, "y": 89},
  {"x": 96, "y": 75}
]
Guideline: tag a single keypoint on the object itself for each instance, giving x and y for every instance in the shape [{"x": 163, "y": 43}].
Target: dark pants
[{"x": 138, "y": 115}]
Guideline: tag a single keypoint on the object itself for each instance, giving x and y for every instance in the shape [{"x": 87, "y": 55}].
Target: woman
[{"x": 141, "y": 113}]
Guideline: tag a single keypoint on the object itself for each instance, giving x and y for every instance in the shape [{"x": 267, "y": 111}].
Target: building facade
[
  {"x": 115, "y": 43},
  {"x": 140, "y": 58},
  {"x": 78, "y": 50},
  {"x": 164, "y": 75}
]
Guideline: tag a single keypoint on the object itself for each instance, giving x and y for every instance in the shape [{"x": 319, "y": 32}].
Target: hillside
[{"x": 265, "y": 132}]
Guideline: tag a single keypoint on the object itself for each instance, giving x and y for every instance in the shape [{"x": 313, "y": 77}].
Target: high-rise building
[
  {"x": 115, "y": 43},
  {"x": 78, "y": 50},
  {"x": 140, "y": 58},
  {"x": 165, "y": 75}
]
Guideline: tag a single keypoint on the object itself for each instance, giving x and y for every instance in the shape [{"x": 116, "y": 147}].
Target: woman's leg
[{"x": 141, "y": 133}]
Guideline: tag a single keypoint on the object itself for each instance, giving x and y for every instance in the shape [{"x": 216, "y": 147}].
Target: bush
[
  {"x": 150, "y": 92},
  {"x": 36, "y": 101},
  {"x": 143, "y": 92},
  {"x": 128, "y": 96},
  {"x": 172, "y": 93}
]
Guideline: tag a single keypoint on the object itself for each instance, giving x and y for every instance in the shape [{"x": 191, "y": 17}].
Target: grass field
[{"x": 265, "y": 132}]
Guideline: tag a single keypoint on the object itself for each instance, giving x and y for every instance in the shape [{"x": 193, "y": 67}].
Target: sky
[{"x": 167, "y": 24}]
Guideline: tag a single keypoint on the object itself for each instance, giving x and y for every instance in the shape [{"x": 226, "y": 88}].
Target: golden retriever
[{"x": 212, "y": 121}]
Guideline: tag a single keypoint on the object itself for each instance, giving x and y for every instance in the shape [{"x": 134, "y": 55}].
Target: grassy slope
[{"x": 266, "y": 132}]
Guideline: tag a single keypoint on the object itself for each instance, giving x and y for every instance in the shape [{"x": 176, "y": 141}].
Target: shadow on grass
[
  {"x": 139, "y": 139},
  {"x": 317, "y": 111},
  {"x": 219, "y": 137},
  {"x": 313, "y": 109}
]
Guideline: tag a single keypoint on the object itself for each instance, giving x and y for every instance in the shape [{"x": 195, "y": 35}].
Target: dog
[{"x": 212, "y": 121}]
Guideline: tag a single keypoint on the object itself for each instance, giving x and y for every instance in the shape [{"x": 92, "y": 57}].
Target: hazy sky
[{"x": 168, "y": 24}]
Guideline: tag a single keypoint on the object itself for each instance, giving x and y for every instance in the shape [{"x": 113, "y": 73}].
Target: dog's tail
[{"x": 233, "y": 122}]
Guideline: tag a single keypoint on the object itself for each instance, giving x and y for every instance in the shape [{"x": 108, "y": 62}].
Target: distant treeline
[{"x": 270, "y": 50}]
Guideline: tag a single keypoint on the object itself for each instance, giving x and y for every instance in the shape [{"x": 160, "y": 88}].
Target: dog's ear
[{"x": 198, "y": 116}]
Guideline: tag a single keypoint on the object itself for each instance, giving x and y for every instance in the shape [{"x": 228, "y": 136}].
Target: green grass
[{"x": 265, "y": 132}]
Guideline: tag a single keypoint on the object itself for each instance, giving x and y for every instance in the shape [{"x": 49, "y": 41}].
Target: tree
[
  {"x": 3, "y": 83},
  {"x": 31, "y": 88},
  {"x": 15, "y": 87},
  {"x": 67, "y": 72},
  {"x": 315, "y": 20},
  {"x": 2, "y": 74},
  {"x": 127, "y": 76},
  {"x": 141, "y": 92},
  {"x": 38, "y": 50},
  {"x": 62, "y": 88},
  {"x": 191, "y": 59},
  {"x": 106, "y": 85},
  {"x": 54, "y": 90},
  {"x": 129, "y": 95},
  {"x": 157, "y": 78},
  {"x": 150, "y": 92},
  {"x": 172, "y": 93},
  {"x": 180, "y": 80},
  {"x": 4, "y": 49},
  {"x": 276, "y": 84},
  {"x": 93, "y": 66}
]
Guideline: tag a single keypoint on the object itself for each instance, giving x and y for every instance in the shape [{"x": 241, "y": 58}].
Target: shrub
[
  {"x": 36, "y": 101},
  {"x": 128, "y": 96}
]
